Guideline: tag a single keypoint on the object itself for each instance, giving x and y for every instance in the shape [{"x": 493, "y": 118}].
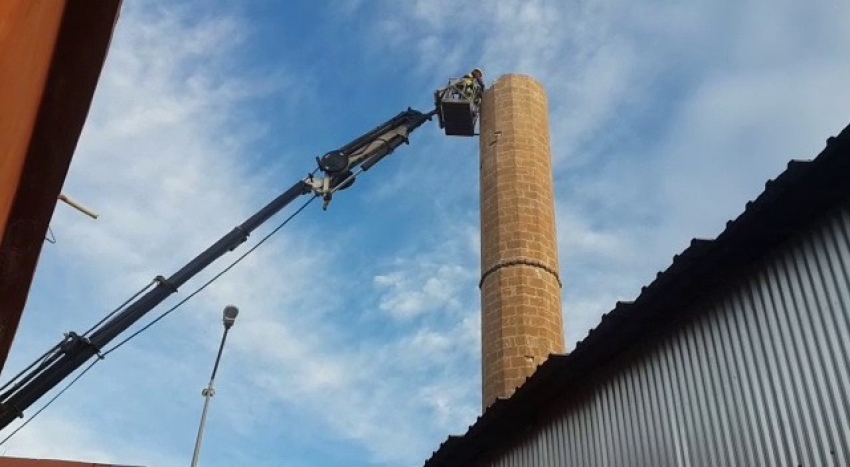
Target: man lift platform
[{"x": 458, "y": 103}]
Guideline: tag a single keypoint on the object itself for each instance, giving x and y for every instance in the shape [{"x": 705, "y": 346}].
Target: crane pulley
[{"x": 340, "y": 167}]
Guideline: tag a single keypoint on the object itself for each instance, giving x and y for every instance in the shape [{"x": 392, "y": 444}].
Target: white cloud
[
  {"x": 161, "y": 159},
  {"x": 399, "y": 388},
  {"x": 67, "y": 437},
  {"x": 665, "y": 118},
  {"x": 370, "y": 333},
  {"x": 414, "y": 288}
]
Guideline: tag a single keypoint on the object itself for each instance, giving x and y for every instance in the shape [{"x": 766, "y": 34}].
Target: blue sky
[{"x": 358, "y": 339}]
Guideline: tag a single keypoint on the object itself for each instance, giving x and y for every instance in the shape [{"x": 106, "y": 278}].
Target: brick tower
[{"x": 521, "y": 322}]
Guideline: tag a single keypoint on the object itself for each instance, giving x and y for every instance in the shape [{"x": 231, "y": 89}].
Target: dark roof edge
[
  {"x": 797, "y": 197},
  {"x": 77, "y": 59}
]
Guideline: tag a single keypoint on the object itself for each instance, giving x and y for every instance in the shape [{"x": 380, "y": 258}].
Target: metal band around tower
[{"x": 520, "y": 262}]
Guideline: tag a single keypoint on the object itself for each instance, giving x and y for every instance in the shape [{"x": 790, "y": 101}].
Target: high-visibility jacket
[{"x": 469, "y": 78}]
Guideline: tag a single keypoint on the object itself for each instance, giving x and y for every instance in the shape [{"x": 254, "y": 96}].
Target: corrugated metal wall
[{"x": 760, "y": 378}]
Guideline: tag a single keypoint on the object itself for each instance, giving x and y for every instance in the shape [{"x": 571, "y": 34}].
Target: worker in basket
[{"x": 472, "y": 85}]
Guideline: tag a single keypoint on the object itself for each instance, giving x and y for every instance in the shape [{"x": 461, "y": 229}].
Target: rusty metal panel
[{"x": 759, "y": 376}]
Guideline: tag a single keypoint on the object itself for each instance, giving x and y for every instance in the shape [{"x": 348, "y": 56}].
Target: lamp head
[{"x": 230, "y": 313}]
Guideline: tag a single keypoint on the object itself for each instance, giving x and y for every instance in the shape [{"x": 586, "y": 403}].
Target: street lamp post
[{"x": 230, "y": 313}]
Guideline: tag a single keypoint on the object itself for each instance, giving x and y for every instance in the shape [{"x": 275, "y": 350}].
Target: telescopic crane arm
[{"x": 338, "y": 171}]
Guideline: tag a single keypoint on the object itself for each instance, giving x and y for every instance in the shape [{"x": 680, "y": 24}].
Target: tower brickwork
[{"x": 521, "y": 317}]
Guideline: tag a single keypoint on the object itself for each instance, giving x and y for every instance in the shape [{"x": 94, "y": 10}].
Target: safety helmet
[{"x": 474, "y": 70}]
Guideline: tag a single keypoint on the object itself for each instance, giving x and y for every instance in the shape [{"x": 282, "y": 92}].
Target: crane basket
[{"x": 457, "y": 106}]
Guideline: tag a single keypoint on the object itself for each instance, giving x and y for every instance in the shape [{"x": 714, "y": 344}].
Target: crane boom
[{"x": 339, "y": 169}]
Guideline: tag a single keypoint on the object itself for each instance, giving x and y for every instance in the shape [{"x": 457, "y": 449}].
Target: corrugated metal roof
[{"x": 801, "y": 194}]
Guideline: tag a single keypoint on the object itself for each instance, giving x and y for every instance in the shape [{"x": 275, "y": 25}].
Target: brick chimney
[{"x": 521, "y": 321}]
